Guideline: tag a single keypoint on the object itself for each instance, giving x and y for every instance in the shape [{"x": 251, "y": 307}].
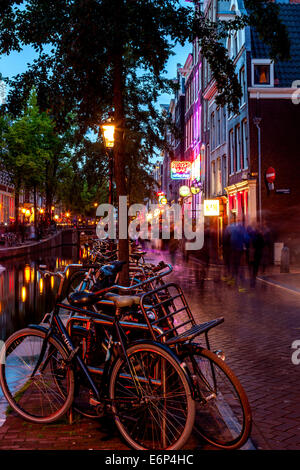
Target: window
[
  {"x": 262, "y": 73},
  {"x": 218, "y": 136},
  {"x": 219, "y": 177},
  {"x": 245, "y": 143},
  {"x": 231, "y": 149},
  {"x": 213, "y": 178},
  {"x": 213, "y": 131},
  {"x": 224, "y": 126},
  {"x": 235, "y": 46},
  {"x": 243, "y": 85},
  {"x": 224, "y": 171},
  {"x": 205, "y": 115},
  {"x": 238, "y": 147}
]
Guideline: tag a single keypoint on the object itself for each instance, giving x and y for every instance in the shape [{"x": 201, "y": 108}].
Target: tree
[
  {"x": 90, "y": 53},
  {"x": 28, "y": 145}
]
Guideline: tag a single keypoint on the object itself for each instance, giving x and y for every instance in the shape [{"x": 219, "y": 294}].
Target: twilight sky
[{"x": 17, "y": 62}]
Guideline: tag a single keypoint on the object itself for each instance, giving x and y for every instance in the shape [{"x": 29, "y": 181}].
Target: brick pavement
[
  {"x": 260, "y": 326},
  {"x": 259, "y": 329}
]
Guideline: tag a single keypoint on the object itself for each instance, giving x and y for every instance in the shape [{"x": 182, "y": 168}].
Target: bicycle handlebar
[{"x": 147, "y": 281}]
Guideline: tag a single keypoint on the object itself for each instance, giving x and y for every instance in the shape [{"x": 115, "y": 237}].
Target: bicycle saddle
[
  {"x": 122, "y": 301},
  {"x": 137, "y": 254}
]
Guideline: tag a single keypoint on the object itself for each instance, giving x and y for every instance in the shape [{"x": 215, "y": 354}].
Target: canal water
[{"x": 25, "y": 296}]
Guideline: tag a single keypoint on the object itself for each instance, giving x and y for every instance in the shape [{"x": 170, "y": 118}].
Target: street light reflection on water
[{"x": 25, "y": 296}]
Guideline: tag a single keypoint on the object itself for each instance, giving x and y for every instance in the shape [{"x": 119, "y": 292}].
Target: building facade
[
  {"x": 7, "y": 199},
  {"x": 232, "y": 153}
]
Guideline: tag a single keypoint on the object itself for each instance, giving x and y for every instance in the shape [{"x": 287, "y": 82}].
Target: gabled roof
[{"x": 286, "y": 71}]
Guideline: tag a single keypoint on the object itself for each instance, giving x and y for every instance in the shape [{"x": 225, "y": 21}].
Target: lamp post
[{"x": 108, "y": 129}]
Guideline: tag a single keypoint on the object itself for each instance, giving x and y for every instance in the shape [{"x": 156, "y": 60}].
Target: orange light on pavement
[
  {"x": 23, "y": 294},
  {"x": 27, "y": 273}
]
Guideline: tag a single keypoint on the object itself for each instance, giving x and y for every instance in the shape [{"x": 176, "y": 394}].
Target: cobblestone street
[
  {"x": 260, "y": 326},
  {"x": 259, "y": 329}
]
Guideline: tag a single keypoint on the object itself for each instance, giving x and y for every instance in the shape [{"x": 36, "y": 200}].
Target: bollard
[{"x": 285, "y": 260}]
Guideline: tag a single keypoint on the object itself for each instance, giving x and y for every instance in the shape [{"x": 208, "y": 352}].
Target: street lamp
[{"x": 108, "y": 129}]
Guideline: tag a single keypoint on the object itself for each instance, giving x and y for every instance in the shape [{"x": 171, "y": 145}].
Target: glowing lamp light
[
  {"x": 56, "y": 217},
  {"x": 149, "y": 217},
  {"x": 23, "y": 211},
  {"x": 27, "y": 213},
  {"x": 41, "y": 285},
  {"x": 184, "y": 191},
  {"x": 68, "y": 214},
  {"x": 109, "y": 134}
]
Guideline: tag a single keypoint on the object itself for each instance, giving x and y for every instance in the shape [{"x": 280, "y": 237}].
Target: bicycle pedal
[{"x": 94, "y": 402}]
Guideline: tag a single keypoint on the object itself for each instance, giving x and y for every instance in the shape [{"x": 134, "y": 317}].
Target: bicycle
[
  {"x": 221, "y": 400},
  {"x": 142, "y": 385}
]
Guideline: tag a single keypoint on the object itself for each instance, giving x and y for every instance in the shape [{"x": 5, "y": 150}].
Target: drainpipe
[{"x": 257, "y": 122}]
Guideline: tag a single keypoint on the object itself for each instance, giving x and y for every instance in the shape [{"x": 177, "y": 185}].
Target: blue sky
[{"x": 16, "y": 63}]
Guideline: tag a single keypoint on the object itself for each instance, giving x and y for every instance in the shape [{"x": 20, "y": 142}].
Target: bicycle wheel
[
  {"x": 223, "y": 415},
  {"x": 48, "y": 394},
  {"x": 156, "y": 409}
]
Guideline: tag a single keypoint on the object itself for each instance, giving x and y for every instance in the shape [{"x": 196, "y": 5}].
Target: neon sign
[
  {"x": 181, "y": 170},
  {"x": 196, "y": 168}
]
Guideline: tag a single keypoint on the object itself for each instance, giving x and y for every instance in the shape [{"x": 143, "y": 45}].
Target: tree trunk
[
  {"x": 119, "y": 153},
  {"x": 35, "y": 211},
  {"x": 17, "y": 204},
  {"x": 48, "y": 194}
]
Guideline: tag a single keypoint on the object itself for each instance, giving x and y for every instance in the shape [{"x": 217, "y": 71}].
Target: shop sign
[
  {"x": 196, "y": 168},
  {"x": 211, "y": 207},
  {"x": 181, "y": 170}
]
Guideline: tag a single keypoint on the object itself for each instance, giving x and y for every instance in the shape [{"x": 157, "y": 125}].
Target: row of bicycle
[{"x": 133, "y": 353}]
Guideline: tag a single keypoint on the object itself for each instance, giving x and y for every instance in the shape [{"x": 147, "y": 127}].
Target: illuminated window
[{"x": 262, "y": 73}]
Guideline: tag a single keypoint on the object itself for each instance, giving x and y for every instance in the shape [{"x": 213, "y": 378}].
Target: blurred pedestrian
[
  {"x": 227, "y": 252},
  {"x": 257, "y": 246},
  {"x": 173, "y": 246},
  {"x": 238, "y": 240}
]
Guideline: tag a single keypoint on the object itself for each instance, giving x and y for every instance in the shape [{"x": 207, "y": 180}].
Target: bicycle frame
[{"x": 56, "y": 325}]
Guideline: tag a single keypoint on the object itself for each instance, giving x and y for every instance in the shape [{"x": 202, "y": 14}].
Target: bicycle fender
[{"x": 44, "y": 329}]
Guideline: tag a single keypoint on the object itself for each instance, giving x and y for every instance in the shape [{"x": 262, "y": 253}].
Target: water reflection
[{"x": 24, "y": 295}]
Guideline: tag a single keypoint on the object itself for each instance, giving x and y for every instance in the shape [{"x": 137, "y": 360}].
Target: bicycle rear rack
[{"x": 166, "y": 307}]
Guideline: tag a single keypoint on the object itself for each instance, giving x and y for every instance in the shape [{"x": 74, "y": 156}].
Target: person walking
[
  {"x": 238, "y": 240},
  {"x": 258, "y": 243},
  {"x": 173, "y": 245}
]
